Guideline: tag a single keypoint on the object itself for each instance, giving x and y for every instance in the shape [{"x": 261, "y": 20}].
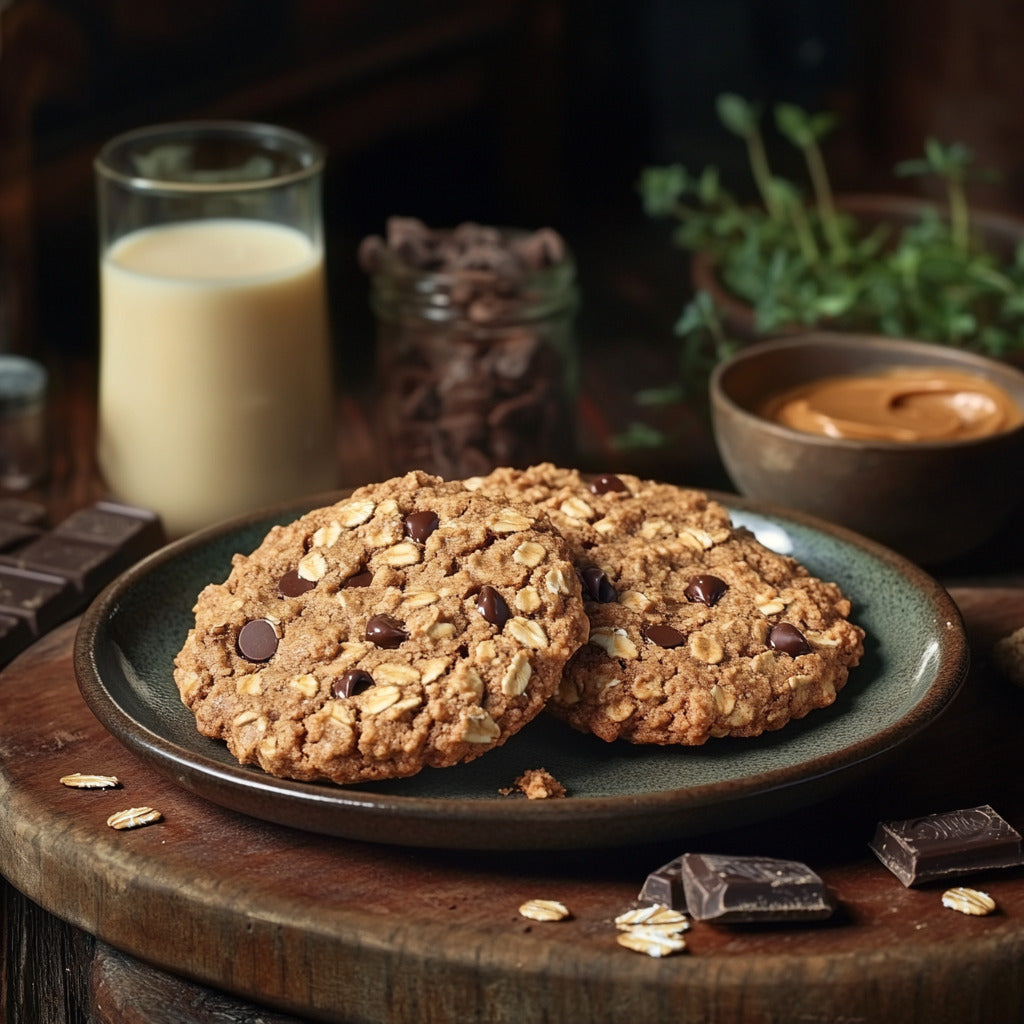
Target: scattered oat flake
[
  {"x": 134, "y": 817},
  {"x": 670, "y": 922},
  {"x": 544, "y": 910},
  {"x": 968, "y": 901},
  {"x": 78, "y": 780},
  {"x": 650, "y": 941}
]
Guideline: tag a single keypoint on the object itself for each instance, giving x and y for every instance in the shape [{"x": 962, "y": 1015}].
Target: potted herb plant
[{"x": 801, "y": 258}]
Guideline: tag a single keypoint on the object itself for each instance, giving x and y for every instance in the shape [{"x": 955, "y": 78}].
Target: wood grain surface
[{"x": 325, "y": 929}]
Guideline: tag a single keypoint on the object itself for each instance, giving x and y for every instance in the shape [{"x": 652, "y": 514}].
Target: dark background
[{"x": 530, "y": 113}]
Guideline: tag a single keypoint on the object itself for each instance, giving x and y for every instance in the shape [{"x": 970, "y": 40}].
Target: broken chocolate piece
[
  {"x": 918, "y": 850},
  {"x": 85, "y": 564},
  {"x": 15, "y": 636},
  {"x": 740, "y": 890},
  {"x": 133, "y": 532},
  {"x": 664, "y": 886},
  {"x": 46, "y": 576},
  {"x": 41, "y": 599},
  {"x": 14, "y": 534}
]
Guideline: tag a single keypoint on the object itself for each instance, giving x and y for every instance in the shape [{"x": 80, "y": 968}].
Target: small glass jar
[
  {"x": 474, "y": 368},
  {"x": 23, "y": 434}
]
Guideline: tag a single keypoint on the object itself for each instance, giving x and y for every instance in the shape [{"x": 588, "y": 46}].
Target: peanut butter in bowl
[{"x": 914, "y": 404}]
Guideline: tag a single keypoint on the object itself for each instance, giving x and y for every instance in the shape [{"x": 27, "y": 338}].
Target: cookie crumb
[{"x": 536, "y": 784}]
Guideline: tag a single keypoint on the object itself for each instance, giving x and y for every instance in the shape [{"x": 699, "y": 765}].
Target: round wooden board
[{"x": 334, "y": 930}]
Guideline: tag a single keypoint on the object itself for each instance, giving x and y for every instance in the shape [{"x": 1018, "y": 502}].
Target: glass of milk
[{"x": 215, "y": 376}]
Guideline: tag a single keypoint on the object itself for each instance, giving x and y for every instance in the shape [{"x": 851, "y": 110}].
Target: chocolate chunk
[
  {"x": 385, "y": 632},
  {"x": 491, "y": 605},
  {"x": 41, "y": 599},
  {"x": 787, "y": 639},
  {"x": 361, "y": 579},
  {"x": 14, "y": 534},
  {"x": 257, "y": 640},
  {"x": 420, "y": 525},
  {"x": 605, "y": 482},
  {"x": 596, "y": 585},
  {"x": 88, "y": 566},
  {"x": 918, "y": 850},
  {"x": 705, "y": 589},
  {"x": 352, "y": 682},
  {"x": 292, "y": 584},
  {"x": 15, "y": 636},
  {"x": 735, "y": 889},
  {"x": 133, "y": 532},
  {"x": 665, "y": 886},
  {"x": 664, "y": 636}
]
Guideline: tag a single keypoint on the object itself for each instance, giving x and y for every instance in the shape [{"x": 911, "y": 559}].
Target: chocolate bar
[
  {"x": 734, "y": 889},
  {"x": 664, "y": 886},
  {"x": 918, "y": 850},
  {"x": 46, "y": 576}
]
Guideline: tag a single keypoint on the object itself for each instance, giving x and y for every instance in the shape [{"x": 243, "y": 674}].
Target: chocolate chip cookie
[
  {"x": 696, "y": 629},
  {"x": 731, "y": 640},
  {"x": 604, "y": 511},
  {"x": 412, "y": 624}
]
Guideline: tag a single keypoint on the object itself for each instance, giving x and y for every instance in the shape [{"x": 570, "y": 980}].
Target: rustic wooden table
[{"x": 211, "y": 916}]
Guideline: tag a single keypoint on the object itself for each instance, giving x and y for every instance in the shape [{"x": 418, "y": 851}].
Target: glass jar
[
  {"x": 475, "y": 368},
  {"x": 23, "y": 434}
]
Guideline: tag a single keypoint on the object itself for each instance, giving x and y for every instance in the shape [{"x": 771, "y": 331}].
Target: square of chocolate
[
  {"x": 13, "y": 534},
  {"x": 948, "y": 844},
  {"x": 741, "y": 890},
  {"x": 88, "y": 566},
  {"x": 15, "y": 636},
  {"x": 132, "y": 531},
  {"x": 42, "y": 600}
]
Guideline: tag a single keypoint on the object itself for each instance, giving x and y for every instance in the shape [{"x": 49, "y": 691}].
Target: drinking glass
[{"x": 215, "y": 376}]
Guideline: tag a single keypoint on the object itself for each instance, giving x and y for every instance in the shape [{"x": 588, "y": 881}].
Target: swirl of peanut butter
[{"x": 906, "y": 403}]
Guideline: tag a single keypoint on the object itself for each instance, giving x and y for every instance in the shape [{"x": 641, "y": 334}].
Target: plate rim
[{"x": 215, "y": 778}]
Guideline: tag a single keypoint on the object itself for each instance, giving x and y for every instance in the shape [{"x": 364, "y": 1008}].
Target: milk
[{"x": 215, "y": 389}]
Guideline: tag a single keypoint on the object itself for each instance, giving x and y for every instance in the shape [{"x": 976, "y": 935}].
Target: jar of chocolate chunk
[{"x": 475, "y": 361}]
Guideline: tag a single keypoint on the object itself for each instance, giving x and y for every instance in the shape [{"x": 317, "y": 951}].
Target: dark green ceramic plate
[{"x": 915, "y": 661}]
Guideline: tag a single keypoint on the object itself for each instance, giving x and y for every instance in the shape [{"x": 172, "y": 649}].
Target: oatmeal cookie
[
  {"x": 732, "y": 640},
  {"x": 413, "y": 623},
  {"x": 597, "y": 512}
]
